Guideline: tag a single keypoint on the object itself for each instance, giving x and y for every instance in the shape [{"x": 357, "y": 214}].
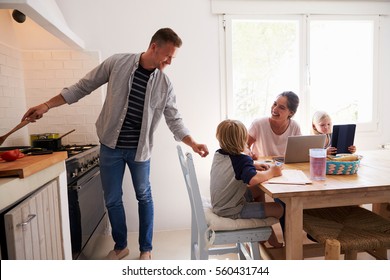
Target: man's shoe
[
  {"x": 117, "y": 254},
  {"x": 145, "y": 256}
]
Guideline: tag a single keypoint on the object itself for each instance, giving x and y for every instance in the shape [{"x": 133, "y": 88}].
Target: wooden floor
[{"x": 175, "y": 245}]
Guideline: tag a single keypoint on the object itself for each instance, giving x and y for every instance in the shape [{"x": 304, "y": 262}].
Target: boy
[{"x": 234, "y": 179}]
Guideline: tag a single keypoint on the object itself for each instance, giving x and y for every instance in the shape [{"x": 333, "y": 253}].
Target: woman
[{"x": 268, "y": 135}]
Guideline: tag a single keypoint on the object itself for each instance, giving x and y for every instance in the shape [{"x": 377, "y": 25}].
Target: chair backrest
[{"x": 188, "y": 168}]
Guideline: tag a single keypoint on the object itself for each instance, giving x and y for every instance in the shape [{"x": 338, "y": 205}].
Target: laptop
[
  {"x": 297, "y": 149},
  {"x": 343, "y": 136}
]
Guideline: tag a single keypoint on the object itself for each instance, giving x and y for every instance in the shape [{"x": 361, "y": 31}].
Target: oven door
[{"x": 86, "y": 209}]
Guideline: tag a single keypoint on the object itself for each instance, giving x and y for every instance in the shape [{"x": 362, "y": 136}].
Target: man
[{"x": 138, "y": 94}]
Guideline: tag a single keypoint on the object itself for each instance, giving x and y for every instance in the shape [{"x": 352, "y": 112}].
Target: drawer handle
[{"x": 29, "y": 218}]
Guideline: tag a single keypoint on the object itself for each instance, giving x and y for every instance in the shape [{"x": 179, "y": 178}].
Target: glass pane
[
  {"x": 265, "y": 62},
  {"x": 341, "y": 69}
]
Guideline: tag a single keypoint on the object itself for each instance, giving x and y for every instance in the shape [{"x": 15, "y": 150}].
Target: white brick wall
[
  {"x": 46, "y": 73},
  {"x": 28, "y": 78},
  {"x": 12, "y": 98}
]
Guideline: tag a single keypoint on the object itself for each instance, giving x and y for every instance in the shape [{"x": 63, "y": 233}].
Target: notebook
[
  {"x": 291, "y": 177},
  {"x": 343, "y": 136},
  {"x": 297, "y": 149}
]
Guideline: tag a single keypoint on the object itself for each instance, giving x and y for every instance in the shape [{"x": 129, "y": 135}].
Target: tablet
[{"x": 343, "y": 136}]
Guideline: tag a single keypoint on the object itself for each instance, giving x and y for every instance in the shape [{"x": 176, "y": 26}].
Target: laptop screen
[{"x": 297, "y": 149}]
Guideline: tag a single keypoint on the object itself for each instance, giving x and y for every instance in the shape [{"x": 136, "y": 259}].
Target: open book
[{"x": 291, "y": 177}]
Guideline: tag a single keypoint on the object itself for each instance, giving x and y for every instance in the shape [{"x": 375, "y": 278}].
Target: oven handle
[{"x": 80, "y": 186}]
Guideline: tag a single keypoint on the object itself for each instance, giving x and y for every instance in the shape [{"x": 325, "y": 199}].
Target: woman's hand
[{"x": 253, "y": 155}]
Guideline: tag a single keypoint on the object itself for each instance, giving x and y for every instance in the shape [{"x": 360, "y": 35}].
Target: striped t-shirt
[{"x": 131, "y": 128}]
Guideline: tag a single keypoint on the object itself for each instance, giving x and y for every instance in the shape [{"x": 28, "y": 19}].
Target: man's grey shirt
[{"x": 118, "y": 72}]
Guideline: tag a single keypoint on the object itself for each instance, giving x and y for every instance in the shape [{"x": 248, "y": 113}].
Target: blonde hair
[
  {"x": 318, "y": 117},
  {"x": 232, "y": 136}
]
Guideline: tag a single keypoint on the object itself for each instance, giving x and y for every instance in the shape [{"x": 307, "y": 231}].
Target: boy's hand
[
  {"x": 261, "y": 166},
  {"x": 276, "y": 169}
]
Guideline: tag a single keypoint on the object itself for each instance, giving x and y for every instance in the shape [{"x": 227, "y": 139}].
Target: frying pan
[{"x": 50, "y": 144}]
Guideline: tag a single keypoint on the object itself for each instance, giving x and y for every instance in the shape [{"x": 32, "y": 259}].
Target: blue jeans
[{"x": 112, "y": 168}]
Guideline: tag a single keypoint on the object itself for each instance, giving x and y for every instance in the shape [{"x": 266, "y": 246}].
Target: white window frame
[
  {"x": 302, "y": 116},
  {"x": 373, "y": 125}
]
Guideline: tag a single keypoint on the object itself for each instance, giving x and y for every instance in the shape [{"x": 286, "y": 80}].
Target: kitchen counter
[
  {"x": 25, "y": 175},
  {"x": 29, "y": 164},
  {"x": 29, "y": 174}
]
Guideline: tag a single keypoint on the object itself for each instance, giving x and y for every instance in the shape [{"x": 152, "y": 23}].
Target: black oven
[{"x": 87, "y": 212}]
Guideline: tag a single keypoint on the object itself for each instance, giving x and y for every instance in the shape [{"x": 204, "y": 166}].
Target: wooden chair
[
  {"x": 348, "y": 229},
  {"x": 240, "y": 236}
]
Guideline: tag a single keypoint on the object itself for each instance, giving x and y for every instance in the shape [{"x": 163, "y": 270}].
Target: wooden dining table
[{"x": 370, "y": 185}]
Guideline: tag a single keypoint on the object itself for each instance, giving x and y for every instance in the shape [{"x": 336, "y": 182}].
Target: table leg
[
  {"x": 294, "y": 228},
  {"x": 382, "y": 209}
]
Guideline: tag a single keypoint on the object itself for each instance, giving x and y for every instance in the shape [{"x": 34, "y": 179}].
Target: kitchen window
[{"x": 329, "y": 61}]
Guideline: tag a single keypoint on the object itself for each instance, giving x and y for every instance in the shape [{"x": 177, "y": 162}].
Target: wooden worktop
[{"x": 30, "y": 164}]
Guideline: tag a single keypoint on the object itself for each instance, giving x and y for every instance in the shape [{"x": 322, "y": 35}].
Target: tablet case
[{"x": 342, "y": 137}]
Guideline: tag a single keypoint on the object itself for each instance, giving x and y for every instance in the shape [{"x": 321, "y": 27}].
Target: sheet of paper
[{"x": 292, "y": 177}]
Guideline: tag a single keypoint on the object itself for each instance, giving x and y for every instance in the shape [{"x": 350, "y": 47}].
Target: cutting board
[{"x": 30, "y": 164}]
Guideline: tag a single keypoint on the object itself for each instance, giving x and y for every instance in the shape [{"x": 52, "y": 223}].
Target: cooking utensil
[
  {"x": 9, "y": 148},
  {"x": 50, "y": 144},
  {"x": 35, "y": 151},
  {"x": 19, "y": 126},
  {"x": 52, "y": 135}
]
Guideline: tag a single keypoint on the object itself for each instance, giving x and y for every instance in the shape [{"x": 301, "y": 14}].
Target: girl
[{"x": 322, "y": 124}]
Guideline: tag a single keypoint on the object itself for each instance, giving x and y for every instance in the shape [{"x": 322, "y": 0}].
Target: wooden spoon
[{"x": 19, "y": 126}]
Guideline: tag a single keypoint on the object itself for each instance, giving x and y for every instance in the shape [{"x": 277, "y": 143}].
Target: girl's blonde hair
[
  {"x": 232, "y": 136},
  {"x": 318, "y": 117}
]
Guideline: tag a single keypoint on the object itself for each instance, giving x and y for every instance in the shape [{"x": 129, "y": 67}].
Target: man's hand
[
  {"x": 201, "y": 149},
  {"x": 35, "y": 113}
]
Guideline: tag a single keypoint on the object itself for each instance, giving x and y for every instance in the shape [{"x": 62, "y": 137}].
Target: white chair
[{"x": 240, "y": 236}]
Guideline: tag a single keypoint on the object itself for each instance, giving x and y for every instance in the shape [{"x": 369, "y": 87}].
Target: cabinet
[{"x": 33, "y": 227}]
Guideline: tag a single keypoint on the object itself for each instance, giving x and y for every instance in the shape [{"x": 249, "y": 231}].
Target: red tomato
[{"x": 10, "y": 155}]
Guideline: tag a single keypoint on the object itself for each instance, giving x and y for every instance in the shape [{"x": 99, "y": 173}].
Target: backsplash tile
[
  {"x": 12, "y": 98},
  {"x": 58, "y": 69},
  {"x": 28, "y": 78}
]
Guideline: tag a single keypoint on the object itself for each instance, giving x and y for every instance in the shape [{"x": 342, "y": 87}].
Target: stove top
[
  {"x": 81, "y": 159},
  {"x": 77, "y": 149}
]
